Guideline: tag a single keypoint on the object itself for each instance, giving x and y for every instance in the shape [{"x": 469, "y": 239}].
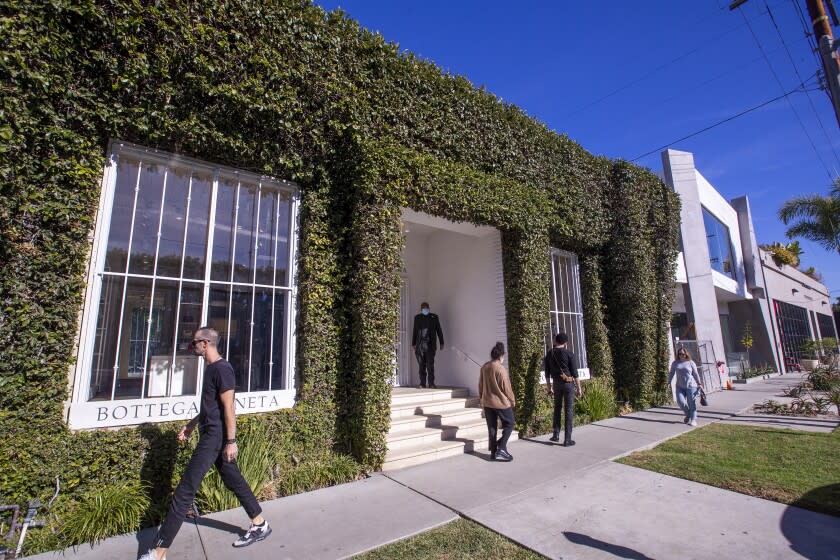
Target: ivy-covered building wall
[{"x": 283, "y": 89}]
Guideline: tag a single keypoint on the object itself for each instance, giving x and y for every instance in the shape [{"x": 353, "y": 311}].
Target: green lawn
[
  {"x": 787, "y": 466},
  {"x": 461, "y": 539}
]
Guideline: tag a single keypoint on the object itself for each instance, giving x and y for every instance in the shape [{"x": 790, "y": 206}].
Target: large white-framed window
[
  {"x": 181, "y": 243},
  {"x": 566, "y": 314}
]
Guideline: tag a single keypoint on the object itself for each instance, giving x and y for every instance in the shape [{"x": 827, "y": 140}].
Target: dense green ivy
[{"x": 284, "y": 89}]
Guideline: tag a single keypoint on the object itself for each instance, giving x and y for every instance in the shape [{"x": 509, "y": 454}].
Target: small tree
[{"x": 746, "y": 340}]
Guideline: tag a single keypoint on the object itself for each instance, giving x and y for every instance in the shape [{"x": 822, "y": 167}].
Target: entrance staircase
[{"x": 430, "y": 424}]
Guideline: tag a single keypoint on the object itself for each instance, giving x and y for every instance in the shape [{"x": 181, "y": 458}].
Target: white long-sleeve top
[{"x": 686, "y": 374}]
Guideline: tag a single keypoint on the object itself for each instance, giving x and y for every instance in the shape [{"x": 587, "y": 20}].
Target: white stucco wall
[{"x": 460, "y": 275}]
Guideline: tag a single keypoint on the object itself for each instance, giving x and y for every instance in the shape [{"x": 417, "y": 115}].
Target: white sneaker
[
  {"x": 152, "y": 555},
  {"x": 255, "y": 533},
  {"x": 693, "y": 423}
]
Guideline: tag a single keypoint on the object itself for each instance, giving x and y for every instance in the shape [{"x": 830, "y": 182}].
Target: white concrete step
[
  {"x": 410, "y": 395},
  {"x": 424, "y": 453},
  {"x": 468, "y": 430},
  {"x": 430, "y": 424},
  {"x": 432, "y": 407},
  {"x": 405, "y": 424}
]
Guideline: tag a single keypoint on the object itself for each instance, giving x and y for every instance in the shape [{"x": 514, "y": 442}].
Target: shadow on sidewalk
[
  {"x": 220, "y": 525},
  {"x": 815, "y": 541},
  {"x": 614, "y": 549}
]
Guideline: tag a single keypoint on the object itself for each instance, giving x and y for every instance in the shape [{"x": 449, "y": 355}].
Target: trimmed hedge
[{"x": 284, "y": 89}]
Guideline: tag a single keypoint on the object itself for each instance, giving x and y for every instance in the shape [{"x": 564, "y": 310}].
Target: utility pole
[
  {"x": 828, "y": 47},
  {"x": 826, "y": 44}
]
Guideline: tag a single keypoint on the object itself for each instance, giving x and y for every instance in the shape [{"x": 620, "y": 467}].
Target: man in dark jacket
[
  {"x": 561, "y": 369},
  {"x": 424, "y": 339}
]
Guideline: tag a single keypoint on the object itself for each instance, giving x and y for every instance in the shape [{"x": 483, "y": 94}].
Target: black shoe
[
  {"x": 433, "y": 386},
  {"x": 569, "y": 443},
  {"x": 492, "y": 455},
  {"x": 421, "y": 386},
  {"x": 503, "y": 455},
  {"x": 555, "y": 437},
  {"x": 255, "y": 533}
]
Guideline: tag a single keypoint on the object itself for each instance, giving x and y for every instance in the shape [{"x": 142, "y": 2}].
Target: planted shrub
[
  {"x": 333, "y": 469},
  {"x": 112, "y": 510},
  {"x": 598, "y": 401}
]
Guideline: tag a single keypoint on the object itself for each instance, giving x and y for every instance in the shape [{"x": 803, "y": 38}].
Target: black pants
[
  {"x": 492, "y": 415},
  {"x": 426, "y": 361},
  {"x": 207, "y": 453},
  {"x": 564, "y": 393}
]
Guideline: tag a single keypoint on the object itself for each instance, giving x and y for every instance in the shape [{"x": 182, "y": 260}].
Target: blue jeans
[{"x": 686, "y": 398}]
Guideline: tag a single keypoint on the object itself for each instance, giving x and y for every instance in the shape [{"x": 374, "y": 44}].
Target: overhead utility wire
[
  {"x": 810, "y": 101},
  {"x": 782, "y": 87},
  {"x": 726, "y": 120},
  {"x": 643, "y": 77}
]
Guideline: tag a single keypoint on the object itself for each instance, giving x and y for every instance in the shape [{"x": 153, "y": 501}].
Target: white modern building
[{"x": 728, "y": 287}]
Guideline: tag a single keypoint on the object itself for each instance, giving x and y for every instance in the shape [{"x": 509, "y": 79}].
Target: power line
[
  {"x": 726, "y": 120},
  {"x": 782, "y": 87},
  {"x": 796, "y": 70},
  {"x": 655, "y": 70}
]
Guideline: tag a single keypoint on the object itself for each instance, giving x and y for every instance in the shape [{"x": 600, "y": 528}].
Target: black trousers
[
  {"x": 207, "y": 453},
  {"x": 493, "y": 415},
  {"x": 564, "y": 394},
  {"x": 426, "y": 361}
]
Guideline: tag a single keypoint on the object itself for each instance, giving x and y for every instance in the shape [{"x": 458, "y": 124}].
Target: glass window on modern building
[
  {"x": 793, "y": 330},
  {"x": 566, "y": 307},
  {"x": 180, "y": 244},
  {"x": 720, "y": 245}
]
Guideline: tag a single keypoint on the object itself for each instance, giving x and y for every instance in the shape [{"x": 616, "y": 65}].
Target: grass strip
[
  {"x": 459, "y": 540},
  {"x": 788, "y": 466}
]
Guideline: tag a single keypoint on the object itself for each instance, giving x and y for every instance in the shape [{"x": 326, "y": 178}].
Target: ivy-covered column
[
  {"x": 630, "y": 286},
  {"x": 320, "y": 277},
  {"x": 527, "y": 273},
  {"x": 595, "y": 329}
]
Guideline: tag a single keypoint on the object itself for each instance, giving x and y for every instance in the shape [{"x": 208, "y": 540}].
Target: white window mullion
[
  {"x": 125, "y": 284},
  {"x": 232, "y": 266},
  {"x": 272, "y": 334},
  {"x": 180, "y": 287},
  {"x": 146, "y": 357},
  {"x": 256, "y": 230},
  {"x": 291, "y": 271}
]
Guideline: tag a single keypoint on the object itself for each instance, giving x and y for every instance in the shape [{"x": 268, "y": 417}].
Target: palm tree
[{"x": 815, "y": 217}]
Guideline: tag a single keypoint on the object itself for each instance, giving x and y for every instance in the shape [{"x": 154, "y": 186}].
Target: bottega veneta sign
[{"x": 138, "y": 411}]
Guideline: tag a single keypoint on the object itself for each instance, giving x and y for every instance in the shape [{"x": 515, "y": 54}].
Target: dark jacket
[
  {"x": 425, "y": 329},
  {"x": 557, "y": 361}
]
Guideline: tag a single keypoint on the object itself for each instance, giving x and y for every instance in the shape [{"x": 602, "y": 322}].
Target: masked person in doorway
[
  {"x": 216, "y": 447},
  {"x": 561, "y": 369},
  {"x": 424, "y": 339}
]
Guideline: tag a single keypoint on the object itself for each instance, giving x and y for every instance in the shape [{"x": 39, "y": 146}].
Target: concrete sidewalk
[{"x": 561, "y": 502}]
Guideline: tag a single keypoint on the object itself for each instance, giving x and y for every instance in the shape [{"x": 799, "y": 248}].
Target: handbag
[{"x": 703, "y": 400}]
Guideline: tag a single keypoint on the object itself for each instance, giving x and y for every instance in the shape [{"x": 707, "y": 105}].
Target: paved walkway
[{"x": 564, "y": 503}]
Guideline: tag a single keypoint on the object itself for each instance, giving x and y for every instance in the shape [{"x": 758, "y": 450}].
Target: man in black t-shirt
[
  {"x": 560, "y": 367},
  {"x": 216, "y": 446}
]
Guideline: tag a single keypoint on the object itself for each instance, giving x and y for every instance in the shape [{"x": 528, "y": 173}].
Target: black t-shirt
[
  {"x": 218, "y": 378},
  {"x": 560, "y": 360}
]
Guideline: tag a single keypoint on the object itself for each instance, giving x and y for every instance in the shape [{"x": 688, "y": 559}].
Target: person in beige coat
[{"x": 498, "y": 401}]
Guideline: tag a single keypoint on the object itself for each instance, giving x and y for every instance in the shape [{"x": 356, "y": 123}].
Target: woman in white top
[{"x": 688, "y": 384}]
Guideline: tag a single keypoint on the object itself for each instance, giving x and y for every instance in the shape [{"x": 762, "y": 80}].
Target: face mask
[{"x": 424, "y": 311}]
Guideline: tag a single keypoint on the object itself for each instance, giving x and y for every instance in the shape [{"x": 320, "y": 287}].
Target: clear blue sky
[{"x": 624, "y": 78}]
